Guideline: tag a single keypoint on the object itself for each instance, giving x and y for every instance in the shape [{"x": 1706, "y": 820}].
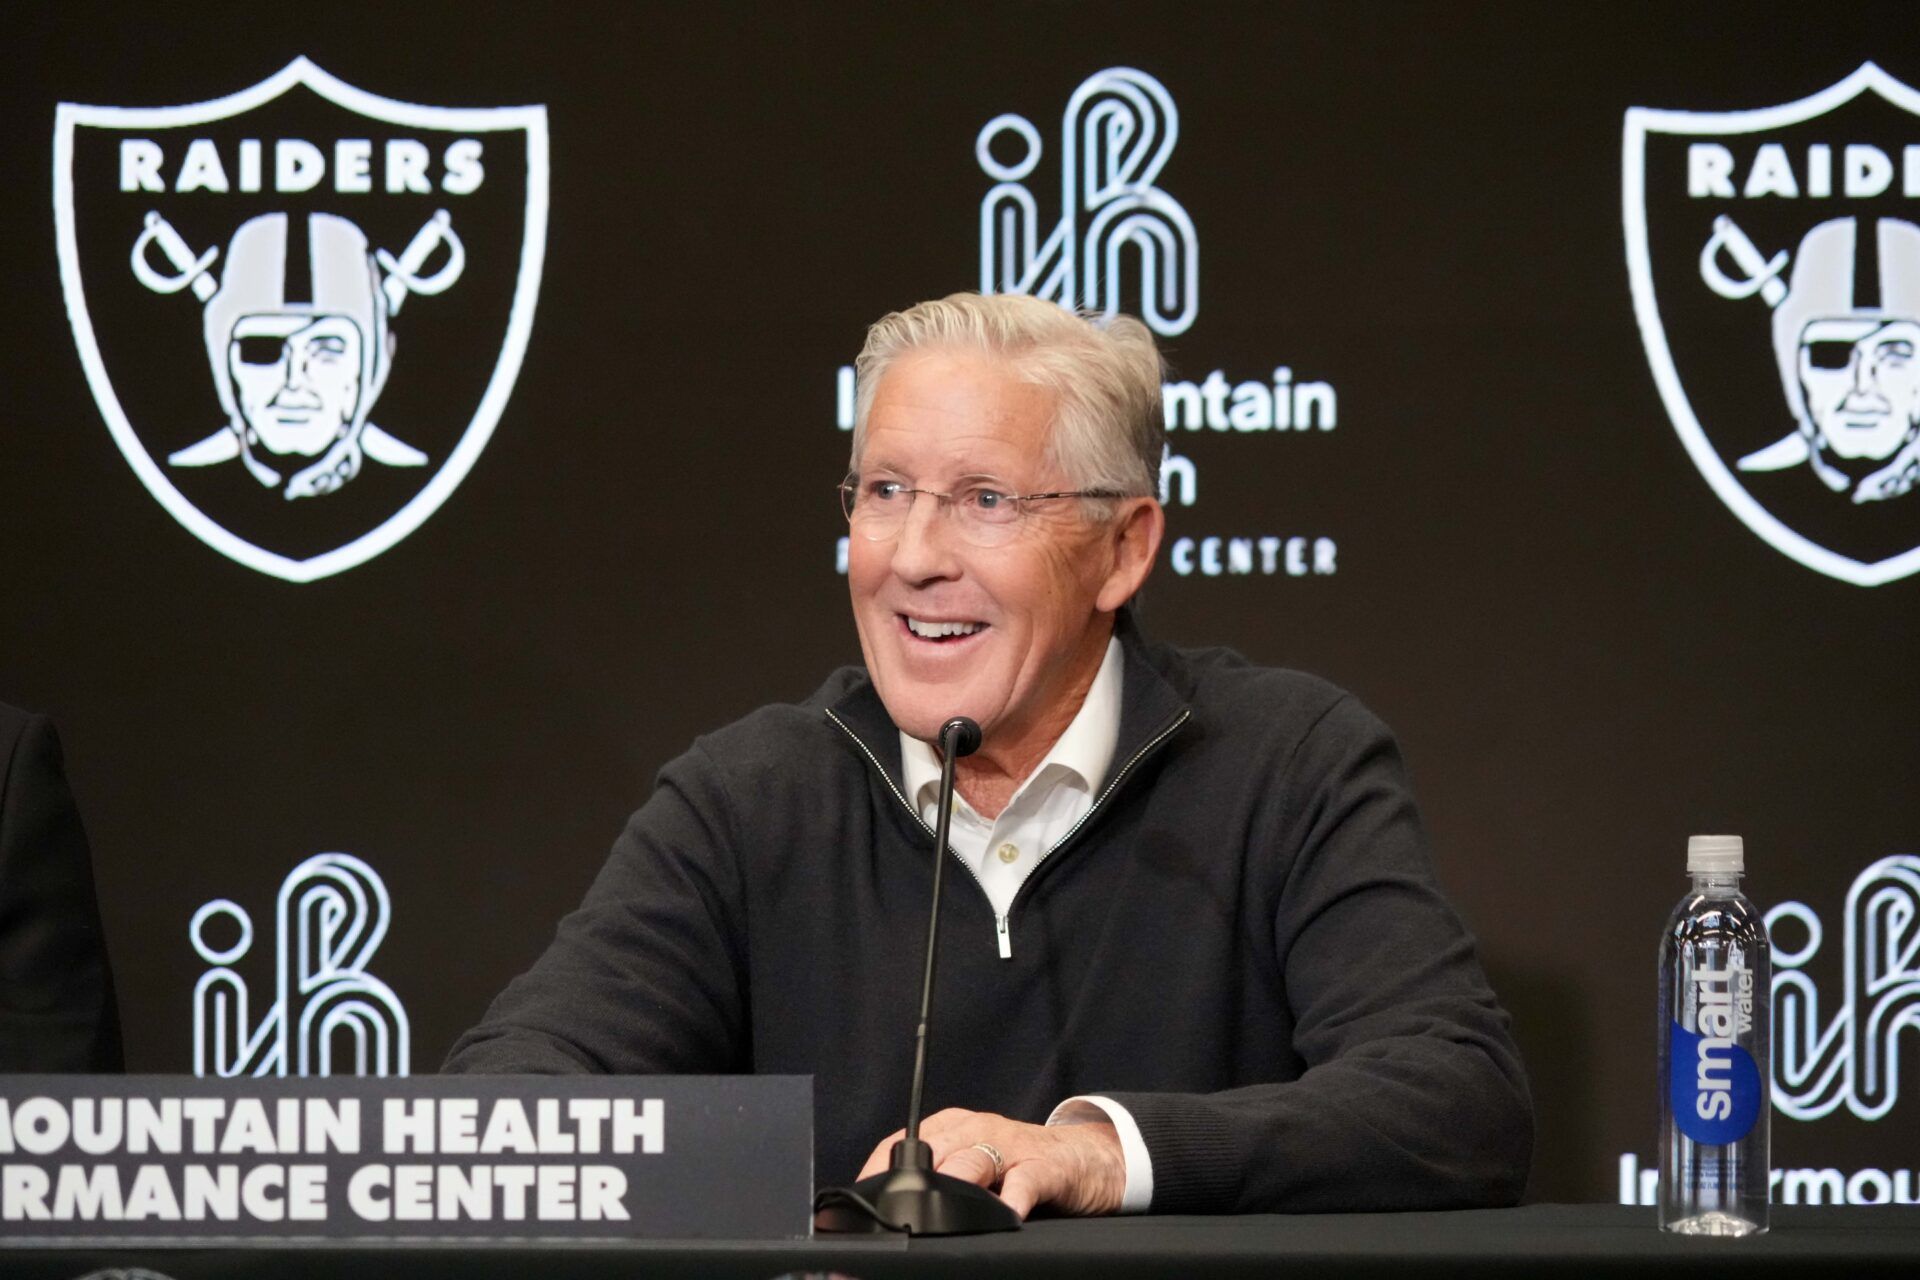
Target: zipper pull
[{"x": 1005, "y": 937}]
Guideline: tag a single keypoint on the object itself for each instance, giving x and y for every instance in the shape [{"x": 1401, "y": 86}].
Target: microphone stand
[{"x": 910, "y": 1196}]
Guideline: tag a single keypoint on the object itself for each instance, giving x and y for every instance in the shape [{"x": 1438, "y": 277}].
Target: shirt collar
[{"x": 1085, "y": 750}]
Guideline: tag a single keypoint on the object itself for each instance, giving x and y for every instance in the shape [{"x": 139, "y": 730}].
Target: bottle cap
[{"x": 1716, "y": 853}]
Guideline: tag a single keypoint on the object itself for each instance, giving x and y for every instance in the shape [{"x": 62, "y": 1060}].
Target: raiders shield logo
[
  {"x": 302, "y": 307},
  {"x": 1774, "y": 256}
]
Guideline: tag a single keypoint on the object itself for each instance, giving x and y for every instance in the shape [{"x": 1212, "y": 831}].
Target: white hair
[{"x": 1109, "y": 430}]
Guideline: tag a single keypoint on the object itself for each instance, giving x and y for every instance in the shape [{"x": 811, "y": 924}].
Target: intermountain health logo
[
  {"x": 1845, "y": 1052},
  {"x": 302, "y": 307},
  {"x": 327, "y": 1014},
  {"x": 1118, "y": 131},
  {"x": 1837, "y": 1038},
  {"x": 1774, "y": 256},
  {"x": 1083, "y": 219}
]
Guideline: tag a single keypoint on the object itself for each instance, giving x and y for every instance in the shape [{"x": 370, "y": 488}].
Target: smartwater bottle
[{"x": 1715, "y": 1086}]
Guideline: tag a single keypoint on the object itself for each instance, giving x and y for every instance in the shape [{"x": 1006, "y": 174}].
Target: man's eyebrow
[{"x": 958, "y": 481}]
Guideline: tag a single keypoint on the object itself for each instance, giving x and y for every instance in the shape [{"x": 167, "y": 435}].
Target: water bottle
[{"x": 1715, "y": 1085}]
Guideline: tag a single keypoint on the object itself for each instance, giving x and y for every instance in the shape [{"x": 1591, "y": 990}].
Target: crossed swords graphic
[
  {"x": 1761, "y": 276},
  {"x": 1762, "y": 273},
  {"x": 403, "y": 276}
]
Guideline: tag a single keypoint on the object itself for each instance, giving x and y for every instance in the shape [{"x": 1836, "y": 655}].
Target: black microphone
[{"x": 910, "y": 1196}]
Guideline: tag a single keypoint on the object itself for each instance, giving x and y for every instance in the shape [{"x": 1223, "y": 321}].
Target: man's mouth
[{"x": 941, "y": 632}]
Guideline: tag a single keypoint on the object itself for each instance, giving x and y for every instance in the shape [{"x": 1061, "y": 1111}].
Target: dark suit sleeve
[
  {"x": 648, "y": 975},
  {"x": 57, "y": 1010}
]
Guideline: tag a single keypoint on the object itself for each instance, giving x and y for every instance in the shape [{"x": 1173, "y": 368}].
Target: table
[{"x": 1584, "y": 1240}]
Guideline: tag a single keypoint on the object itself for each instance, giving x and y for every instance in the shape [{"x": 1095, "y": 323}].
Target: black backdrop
[{"x": 1586, "y": 654}]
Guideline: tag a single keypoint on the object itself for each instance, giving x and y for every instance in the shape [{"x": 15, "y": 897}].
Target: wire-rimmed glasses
[{"x": 983, "y": 514}]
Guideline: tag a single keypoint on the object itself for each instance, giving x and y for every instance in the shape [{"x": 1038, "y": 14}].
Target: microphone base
[{"x": 917, "y": 1201}]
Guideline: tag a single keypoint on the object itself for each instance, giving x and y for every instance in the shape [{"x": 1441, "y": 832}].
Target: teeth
[{"x": 940, "y": 630}]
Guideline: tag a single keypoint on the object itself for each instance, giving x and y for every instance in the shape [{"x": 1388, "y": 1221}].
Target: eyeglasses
[{"x": 982, "y": 515}]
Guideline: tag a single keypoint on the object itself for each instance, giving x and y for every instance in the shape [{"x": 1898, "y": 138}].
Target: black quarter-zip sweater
[{"x": 1243, "y": 944}]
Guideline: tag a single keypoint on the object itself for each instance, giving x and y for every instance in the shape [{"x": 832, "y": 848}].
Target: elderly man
[{"x": 1200, "y": 963}]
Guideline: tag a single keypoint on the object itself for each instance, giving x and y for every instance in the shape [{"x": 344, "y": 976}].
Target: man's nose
[
  {"x": 924, "y": 549},
  {"x": 1865, "y": 379},
  {"x": 296, "y": 361}
]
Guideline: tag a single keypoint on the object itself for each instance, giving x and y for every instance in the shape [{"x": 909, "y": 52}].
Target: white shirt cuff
[{"x": 1138, "y": 1193}]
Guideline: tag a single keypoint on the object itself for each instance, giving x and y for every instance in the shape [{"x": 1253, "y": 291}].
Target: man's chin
[
  {"x": 1857, "y": 455},
  {"x": 921, "y": 713},
  {"x": 283, "y": 448},
  {"x": 1862, "y": 439},
  {"x": 923, "y": 725}
]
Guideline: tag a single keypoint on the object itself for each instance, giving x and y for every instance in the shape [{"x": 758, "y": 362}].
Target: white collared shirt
[{"x": 1049, "y": 803}]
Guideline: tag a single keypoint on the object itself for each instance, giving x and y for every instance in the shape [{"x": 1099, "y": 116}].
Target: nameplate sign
[{"x": 443, "y": 1158}]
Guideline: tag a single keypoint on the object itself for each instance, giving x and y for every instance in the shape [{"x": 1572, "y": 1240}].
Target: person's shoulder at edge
[
  {"x": 1225, "y": 687},
  {"x": 13, "y": 725},
  {"x": 781, "y": 737},
  {"x": 48, "y": 882}
]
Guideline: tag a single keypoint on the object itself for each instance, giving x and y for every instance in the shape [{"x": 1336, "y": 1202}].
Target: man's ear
[{"x": 1135, "y": 533}]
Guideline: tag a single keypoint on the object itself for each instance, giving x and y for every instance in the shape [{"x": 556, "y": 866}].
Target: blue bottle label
[{"x": 1713, "y": 1087}]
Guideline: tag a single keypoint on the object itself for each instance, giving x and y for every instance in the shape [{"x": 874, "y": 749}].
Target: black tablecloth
[{"x": 1586, "y": 1240}]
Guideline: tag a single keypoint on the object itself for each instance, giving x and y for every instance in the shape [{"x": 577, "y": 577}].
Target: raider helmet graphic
[
  {"x": 1774, "y": 257},
  {"x": 1850, "y": 359},
  {"x": 268, "y": 242},
  {"x": 298, "y": 344}
]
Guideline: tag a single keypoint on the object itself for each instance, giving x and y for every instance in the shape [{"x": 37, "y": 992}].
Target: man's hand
[{"x": 1075, "y": 1168}]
